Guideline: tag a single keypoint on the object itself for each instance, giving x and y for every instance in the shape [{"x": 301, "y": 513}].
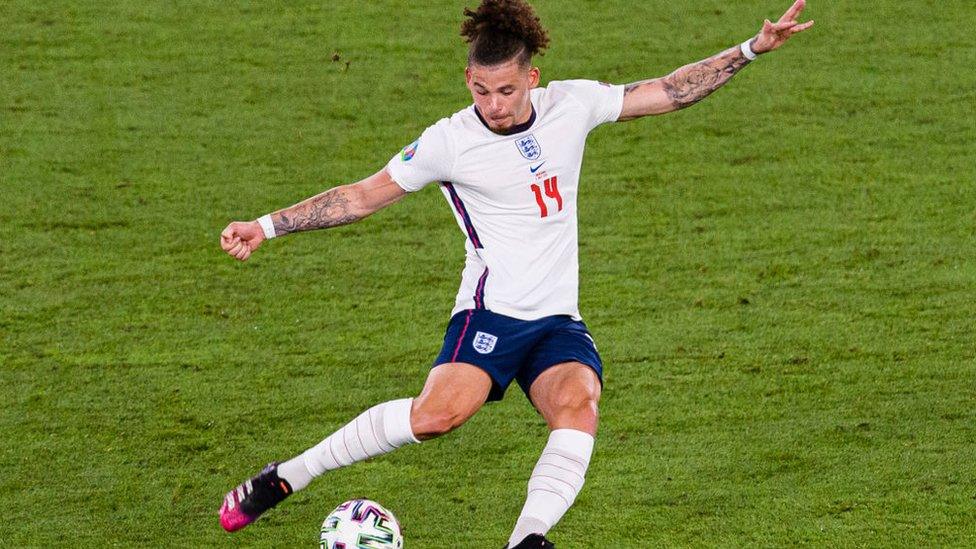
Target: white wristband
[
  {"x": 267, "y": 226},
  {"x": 746, "y": 48}
]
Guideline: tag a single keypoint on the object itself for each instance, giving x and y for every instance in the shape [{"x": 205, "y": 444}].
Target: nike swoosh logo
[{"x": 535, "y": 169}]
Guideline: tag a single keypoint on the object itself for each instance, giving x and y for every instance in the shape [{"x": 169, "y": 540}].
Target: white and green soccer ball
[{"x": 360, "y": 524}]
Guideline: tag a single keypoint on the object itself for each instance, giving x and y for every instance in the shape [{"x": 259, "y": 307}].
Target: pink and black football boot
[{"x": 244, "y": 504}]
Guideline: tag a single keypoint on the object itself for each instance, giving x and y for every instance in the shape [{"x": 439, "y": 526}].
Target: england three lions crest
[
  {"x": 484, "y": 343},
  {"x": 529, "y": 147}
]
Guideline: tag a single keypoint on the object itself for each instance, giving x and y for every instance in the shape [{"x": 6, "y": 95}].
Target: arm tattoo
[
  {"x": 631, "y": 87},
  {"x": 692, "y": 83},
  {"x": 329, "y": 209}
]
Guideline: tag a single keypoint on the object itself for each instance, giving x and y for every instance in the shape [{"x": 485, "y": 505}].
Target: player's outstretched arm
[
  {"x": 692, "y": 83},
  {"x": 334, "y": 207}
]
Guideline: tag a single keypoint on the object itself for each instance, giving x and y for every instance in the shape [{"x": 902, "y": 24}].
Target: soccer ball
[{"x": 360, "y": 524}]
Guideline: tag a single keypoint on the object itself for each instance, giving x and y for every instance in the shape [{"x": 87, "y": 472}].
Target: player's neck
[
  {"x": 527, "y": 115},
  {"x": 522, "y": 123}
]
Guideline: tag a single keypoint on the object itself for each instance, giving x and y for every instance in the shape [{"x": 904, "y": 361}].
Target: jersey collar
[{"x": 518, "y": 128}]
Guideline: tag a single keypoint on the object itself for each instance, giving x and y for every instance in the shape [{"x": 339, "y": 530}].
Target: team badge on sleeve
[
  {"x": 529, "y": 147},
  {"x": 407, "y": 153},
  {"x": 484, "y": 343}
]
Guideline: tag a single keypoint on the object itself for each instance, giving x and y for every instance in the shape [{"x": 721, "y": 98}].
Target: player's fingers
[
  {"x": 802, "y": 27},
  {"x": 795, "y": 10},
  {"x": 227, "y": 245},
  {"x": 228, "y": 234},
  {"x": 242, "y": 255},
  {"x": 236, "y": 248},
  {"x": 783, "y": 25}
]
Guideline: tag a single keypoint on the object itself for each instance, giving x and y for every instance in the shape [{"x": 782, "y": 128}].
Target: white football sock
[
  {"x": 381, "y": 429},
  {"x": 557, "y": 478}
]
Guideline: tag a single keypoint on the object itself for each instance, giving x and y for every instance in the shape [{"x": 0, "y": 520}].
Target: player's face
[{"x": 501, "y": 93}]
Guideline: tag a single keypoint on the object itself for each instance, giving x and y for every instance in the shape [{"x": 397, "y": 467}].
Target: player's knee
[
  {"x": 584, "y": 406},
  {"x": 435, "y": 425},
  {"x": 429, "y": 422},
  {"x": 580, "y": 398},
  {"x": 577, "y": 408}
]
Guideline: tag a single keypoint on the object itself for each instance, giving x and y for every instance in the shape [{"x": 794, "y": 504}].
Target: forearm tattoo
[
  {"x": 329, "y": 209},
  {"x": 692, "y": 83}
]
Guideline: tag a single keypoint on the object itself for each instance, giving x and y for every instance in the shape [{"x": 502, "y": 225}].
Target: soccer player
[{"x": 509, "y": 168}]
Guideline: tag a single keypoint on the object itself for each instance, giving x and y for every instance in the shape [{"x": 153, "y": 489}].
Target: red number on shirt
[
  {"x": 540, "y": 201},
  {"x": 552, "y": 191}
]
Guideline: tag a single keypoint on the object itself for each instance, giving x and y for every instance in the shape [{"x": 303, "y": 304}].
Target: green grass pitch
[{"x": 780, "y": 279}]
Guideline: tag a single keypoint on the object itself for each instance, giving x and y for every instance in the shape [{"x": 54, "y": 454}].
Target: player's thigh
[
  {"x": 452, "y": 394},
  {"x": 567, "y": 396}
]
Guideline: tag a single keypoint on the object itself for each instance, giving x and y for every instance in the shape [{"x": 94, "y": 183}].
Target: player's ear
[
  {"x": 534, "y": 75},
  {"x": 467, "y": 76}
]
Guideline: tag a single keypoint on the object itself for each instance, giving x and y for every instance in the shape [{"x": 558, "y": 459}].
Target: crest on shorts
[
  {"x": 484, "y": 343},
  {"x": 529, "y": 147}
]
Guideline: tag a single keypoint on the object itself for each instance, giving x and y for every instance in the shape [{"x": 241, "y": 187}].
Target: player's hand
[
  {"x": 773, "y": 35},
  {"x": 241, "y": 238}
]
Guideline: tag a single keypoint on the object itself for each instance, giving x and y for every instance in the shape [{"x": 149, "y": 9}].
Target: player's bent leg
[
  {"x": 379, "y": 430},
  {"x": 452, "y": 394},
  {"x": 567, "y": 396}
]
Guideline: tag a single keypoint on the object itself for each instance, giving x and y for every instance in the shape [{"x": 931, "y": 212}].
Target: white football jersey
[{"x": 514, "y": 196}]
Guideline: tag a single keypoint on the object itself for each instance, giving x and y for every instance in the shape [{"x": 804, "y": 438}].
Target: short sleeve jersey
[{"x": 514, "y": 196}]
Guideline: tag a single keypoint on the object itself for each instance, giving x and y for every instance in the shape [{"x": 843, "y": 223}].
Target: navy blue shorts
[{"x": 508, "y": 348}]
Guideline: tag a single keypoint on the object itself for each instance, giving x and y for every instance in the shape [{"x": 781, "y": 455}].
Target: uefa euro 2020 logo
[{"x": 407, "y": 153}]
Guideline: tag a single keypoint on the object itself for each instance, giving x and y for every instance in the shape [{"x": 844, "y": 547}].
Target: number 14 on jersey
[{"x": 551, "y": 188}]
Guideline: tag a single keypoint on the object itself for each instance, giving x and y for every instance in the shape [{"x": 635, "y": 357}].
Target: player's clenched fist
[{"x": 241, "y": 238}]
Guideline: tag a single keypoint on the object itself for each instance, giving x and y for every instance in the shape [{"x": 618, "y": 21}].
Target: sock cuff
[
  {"x": 572, "y": 441},
  {"x": 396, "y": 422}
]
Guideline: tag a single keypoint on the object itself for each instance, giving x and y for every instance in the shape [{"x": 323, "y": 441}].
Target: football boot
[{"x": 244, "y": 504}]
